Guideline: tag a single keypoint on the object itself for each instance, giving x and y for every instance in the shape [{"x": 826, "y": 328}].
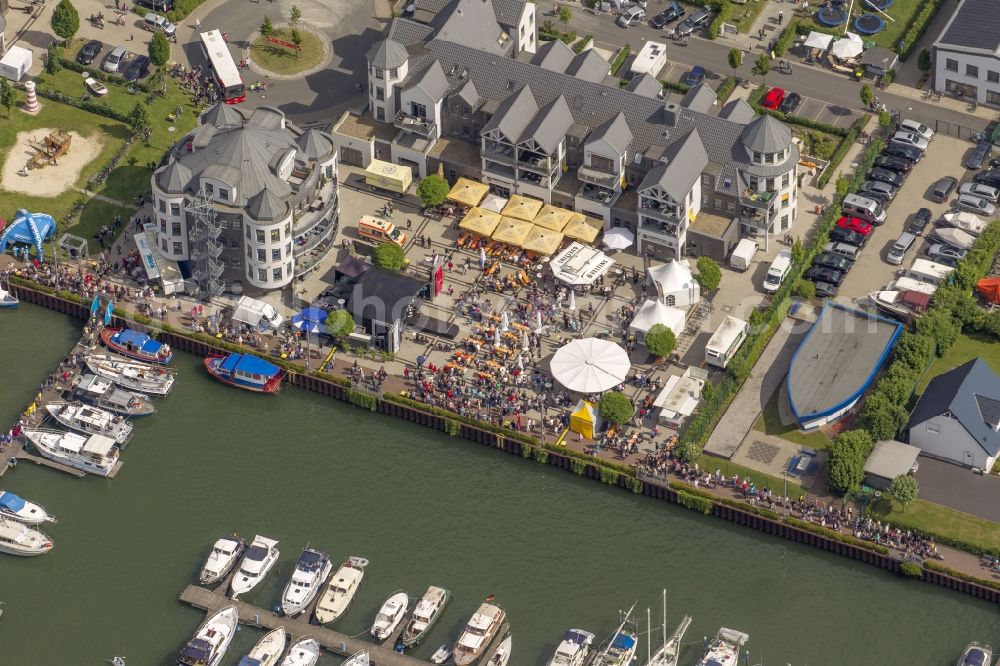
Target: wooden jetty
[
  {"x": 334, "y": 641},
  {"x": 16, "y": 451}
]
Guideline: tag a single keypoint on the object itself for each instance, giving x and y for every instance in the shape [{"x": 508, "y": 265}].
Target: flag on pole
[
  {"x": 107, "y": 312},
  {"x": 94, "y": 306}
]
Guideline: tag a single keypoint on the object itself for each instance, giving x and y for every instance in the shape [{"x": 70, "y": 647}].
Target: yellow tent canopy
[
  {"x": 468, "y": 192},
  {"x": 522, "y": 208},
  {"x": 479, "y": 221},
  {"x": 388, "y": 176},
  {"x": 584, "y": 419},
  {"x": 583, "y": 228},
  {"x": 543, "y": 241},
  {"x": 511, "y": 231},
  {"x": 552, "y": 218}
]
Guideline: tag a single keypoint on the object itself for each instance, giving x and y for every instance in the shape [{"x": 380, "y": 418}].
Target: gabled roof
[
  {"x": 468, "y": 94},
  {"x": 514, "y": 114},
  {"x": 173, "y": 178},
  {"x": 767, "y": 134},
  {"x": 700, "y": 98},
  {"x": 554, "y": 56},
  {"x": 432, "y": 81},
  {"x": 589, "y": 66},
  {"x": 474, "y": 24},
  {"x": 685, "y": 160},
  {"x": 971, "y": 393},
  {"x": 737, "y": 111},
  {"x": 408, "y": 33},
  {"x": 549, "y": 125},
  {"x": 508, "y": 12},
  {"x": 266, "y": 207},
  {"x": 975, "y": 25},
  {"x": 645, "y": 85},
  {"x": 387, "y": 54},
  {"x": 615, "y": 132}
]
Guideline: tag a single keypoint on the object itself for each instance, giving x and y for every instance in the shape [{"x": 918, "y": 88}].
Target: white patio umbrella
[
  {"x": 504, "y": 322},
  {"x": 618, "y": 238},
  {"x": 590, "y": 365},
  {"x": 538, "y": 321},
  {"x": 496, "y": 337},
  {"x": 818, "y": 40},
  {"x": 525, "y": 344},
  {"x": 572, "y": 300},
  {"x": 846, "y": 48}
]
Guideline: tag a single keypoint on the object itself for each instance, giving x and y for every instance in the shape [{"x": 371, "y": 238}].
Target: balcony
[
  {"x": 658, "y": 209},
  {"x": 498, "y": 152},
  {"x": 657, "y": 228},
  {"x": 598, "y": 177},
  {"x": 498, "y": 170},
  {"x": 317, "y": 234},
  {"x": 535, "y": 179},
  {"x": 759, "y": 200},
  {"x": 415, "y": 124},
  {"x": 536, "y": 161},
  {"x": 602, "y": 195}
]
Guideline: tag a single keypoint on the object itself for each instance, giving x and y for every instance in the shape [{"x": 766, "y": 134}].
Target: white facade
[
  {"x": 526, "y": 38},
  {"x": 664, "y": 220},
  {"x": 779, "y": 215},
  {"x": 971, "y": 74},
  {"x": 171, "y": 225},
  {"x": 382, "y": 90},
  {"x": 945, "y": 438},
  {"x": 269, "y": 263}
]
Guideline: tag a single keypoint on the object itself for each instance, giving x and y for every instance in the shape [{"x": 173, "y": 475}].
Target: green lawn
[
  {"x": 126, "y": 182},
  {"x": 902, "y": 11},
  {"x": 281, "y": 60},
  {"x": 965, "y": 349},
  {"x": 769, "y": 423},
  {"x": 96, "y": 214},
  {"x": 710, "y": 463},
  {"x": 744, "y": 16},
  {"x": 929, "y": 517}
]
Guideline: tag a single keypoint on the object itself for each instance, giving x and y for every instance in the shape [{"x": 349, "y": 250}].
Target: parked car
[
  {"x": 899, "y": 150},
  {"x": 631, "y": 16},
  {"x": 987, "y": 192},
  {"x": 826, "y": 290},
  {"x": 790, "y": 103},
  {"x": 943, "y": 188},
  {"x": 699, "y": 19},
  {"x": 673, "y": 12},
  {"x": 115, "y": 59},
  {"x": 978, "y": 155},
  {"x": 939, "y": 251},
  {"x": 886, "y": 176},
  {"x": 694, "y": 77},
  {"x": 910, "y": 139},
  {"x": 89, "y": 52},
  {"x": 879, "y": 191},
  {"x": 991, "y": 177},
  {"x": 995, "y": 162},
  {"x": 843, "y": 250},
  {"x": 897, "y": 164},
  {"x": 138, "y": 69},
  {"x": 919, "y": 221},
  {"x": 975, "y": 204},
  {"x": 828, "y": 275},
  {"x": 855, "y": 224},
  {"x": 773, "y": 98},
  {"x": 154, "y": 22},
  {"x": 844, "y": 235},
  {"x": 162, "y": 6},
  {"x": 834, "y": 261},
  {"x": 918, "y": 128}
]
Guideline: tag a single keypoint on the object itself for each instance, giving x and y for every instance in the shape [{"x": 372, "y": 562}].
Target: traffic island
[{"x": 288, "y": 53}]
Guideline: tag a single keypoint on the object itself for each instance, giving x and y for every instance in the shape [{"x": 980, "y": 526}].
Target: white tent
[
  {"x": 618, "y": 238},
  {"x": 846, "y": 48},
  {"x": 580, "y": 264},
  {"x": 15, "y": 63},
  {"x": 674, "y": 283},
  {"x": 818, "y": 40},
  {"x": 652, "y": 313},
  {"x": 590, "y": 365}
]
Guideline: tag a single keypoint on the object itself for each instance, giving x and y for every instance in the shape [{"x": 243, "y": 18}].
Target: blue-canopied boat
[
  {"x": 245, "y": 371},
  {"x": 136, "y": 345},
  {"x": 7, "y": 299}
]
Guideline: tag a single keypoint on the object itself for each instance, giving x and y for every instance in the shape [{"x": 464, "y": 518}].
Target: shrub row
[
  {"x": 940, "y": 568},
  {"x": 836, "y": 536},
  {"x": 582, "y": 44},
  {"x": 918, "y": 25},
  {"x": 841, "y": 152},
  {"x": 675, "y": 87},
  {"x": 182, "y": 8},
  {"x": 619, "y": 60},
  {"x": 726, "y": 89}
]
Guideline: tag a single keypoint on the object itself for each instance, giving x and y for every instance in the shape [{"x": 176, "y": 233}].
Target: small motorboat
[
  {"x": 94, "y": 454},
  {"x": 501, "y": 656},
  {"x": 246, "y": 371},
  {"x": 389, "y": 616},
  {"x": 425, "y": 614},
  {"x": 7, "y": 299},
  {"x": 268, "y": 649},
  {"x": 574, "y": 649},
  {"x": 132, "y": 375},
  {"x": 210, "y": 642},
  {"x": 307, "y": 579},
  {"x": 12, "y": 506},
  {"x": 257, "y": 561},
  {"x": 95, "y": 86},
  {"x": 442, "y": 654},
  {"x": 90, "y": 420},
  {"x": 23, "y": 540},
  {"x": 358, "y": 659},
  {"x": 305, "y": 652},
  {"x": 976, "y": 655},
  {"x": 224, "y": 556},
  {"x": 340, "y": 590},
  {"x": 134, "y": 344},
  {"x": 101, "y": 392}
]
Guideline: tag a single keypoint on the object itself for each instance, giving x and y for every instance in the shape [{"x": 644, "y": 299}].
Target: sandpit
[{"x": 54, "y": 179}]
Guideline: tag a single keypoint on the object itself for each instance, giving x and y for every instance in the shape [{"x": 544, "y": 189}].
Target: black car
[
  {"x": 886, "y": 176},
  {"x": 995, "y": 162},
  {"x": 899, "y": 150},
  {"x": 161, "y": 6},
  {"x": 829, "y": 275},
  {"x": 919, "y": 221},
  {"x": 699, "y": 19},
  {"x": 978, "y": 156},
  {"x": 668, "y": 15},
  {"x": 790, "y": 103},
  {"x": 89, "y": 52},
  {"x": 826, "y": 290},
  {"x": 841, "y": 235},
  {"x": 990, "y": 177},
  {"x": 896, "y": 164},
  {"x": 137, "y": 69},
  {"x": 834, "y": 261}
]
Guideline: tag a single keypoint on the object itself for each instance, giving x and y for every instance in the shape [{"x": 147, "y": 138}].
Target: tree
[
  {"x": 940, "y": 326},
  {"x": 883, "y": 418},
  {"x": 843, "y": 185},
  {"x": 709, "y": 273},
  {"x": 904, "y": 489},
  {"x": 138, "y": 118},
  {"x": 565, "y": 15},
  {"x": 267, "y": 28},
  {"x": 762, "y": 67},
  {"x": 867, "y": 95},
  {"x": 6, "y": 95},
  {"x": 65, "y": 20},
  {"x": 735, "y": 59},
  {"x": 615, "y": 407},
  {"x": 845, "y": 468},
  {"x": 159, "y": 49},
  {"x": 340, "y": 323},
  {"x": 884, "y": 119},
  {"x": 660, "y": 340},
  {"x": 389, "y": 256},
  {"x": 433, "y": 190},
  {"x": 294, "y": 16},
  {"x": 913, "y": 350},
  {"x": 53, "y": 59},
  {"x": 297, "y": 40},
  {"x": 804, "y": 289},
  {"x": 798, "y": 250},
  {"x": 924, "y": 61}
]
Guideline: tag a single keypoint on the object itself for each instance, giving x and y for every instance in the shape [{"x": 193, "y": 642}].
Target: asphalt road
[{"x": 958, "y": 488}]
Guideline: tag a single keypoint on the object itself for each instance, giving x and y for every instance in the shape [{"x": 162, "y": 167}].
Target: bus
[{"x": 224, "y": 71}]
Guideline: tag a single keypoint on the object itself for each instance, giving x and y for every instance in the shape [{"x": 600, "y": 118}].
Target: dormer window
[{"x": 757, "y": 157}]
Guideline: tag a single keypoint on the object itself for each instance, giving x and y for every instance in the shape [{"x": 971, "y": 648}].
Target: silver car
[
  {"x": 981, "y": 190},
  {"x": 843, "y": 250},
  {"x": 974, "y": 204},
  {"x": 631, "y": 16},
  {"x": 910, "y": 139},
  {"x": 918, "y": 128}
]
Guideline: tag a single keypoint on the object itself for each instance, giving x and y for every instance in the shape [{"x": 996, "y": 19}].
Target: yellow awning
[
  {"x": 543, "y": 241},
  {"x": 522, "y": 208},
  {"x": 583, "y": 228},
  {"x": 511, "y": 231},
  {"x": 479, "y": 221},
  {"x": 468, "y": 192},
  {"x": 388, "y": 176},
  {"x": 552, "y": 218}
]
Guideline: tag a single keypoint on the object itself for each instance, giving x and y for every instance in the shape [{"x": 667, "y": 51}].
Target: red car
[
  {"x": 773, "y": 98},
  {"x": 855, "y": 224}
]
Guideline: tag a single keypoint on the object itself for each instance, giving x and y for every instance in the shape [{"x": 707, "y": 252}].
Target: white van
[
  {"x": 899, "y": 249},
  {"x": 778, "y": 271},
  {"x": 743, "y": 254},
  {"x": 867, "y": 209}
]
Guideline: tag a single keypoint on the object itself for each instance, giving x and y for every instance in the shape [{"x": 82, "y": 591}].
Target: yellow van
[{"x": 379, "y": 230}]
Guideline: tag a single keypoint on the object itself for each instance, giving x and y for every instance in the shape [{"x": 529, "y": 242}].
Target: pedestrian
[
  {"x": 197, "y": 24},
  {"x": 409, "y": 224},
  {"x": 781, "y": 17},
  {"x": 131, "y": 37}
]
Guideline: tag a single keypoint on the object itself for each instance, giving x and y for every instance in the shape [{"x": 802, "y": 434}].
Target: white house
[{"x": 967, "y": 53}]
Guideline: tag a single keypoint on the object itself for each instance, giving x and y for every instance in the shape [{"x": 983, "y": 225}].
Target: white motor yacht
[
  {"x": 132, "y": 375},
  {"x": 212, "y": 639},
  {"x": 257, "y": 561},
  {"x": 340, "y": 590},
  {"x": 12, "y": 506},
  {"x": 478, "y": 633},
  {"x": 224, "y": 556},
  {"x": 95, "y": 454},
  {"x": 425, "y": 614},
  {"x": 268, "y": 649},
  {"x": 574, "y": 649},
  {"x": 304, "y": 652},
  {"x": 20, "y": 539},
  {"x": 389, "y": 616},
  {"x": 358, "y": 659},
  {"x": 501, "y": 656},
  {"x": 307, "y": 579},
  {"x": 724, "y": 649},
  {"x": 976, "y": 655},
  {"x": 101, "y": 392},
  {"x": 90, "y": 420}
]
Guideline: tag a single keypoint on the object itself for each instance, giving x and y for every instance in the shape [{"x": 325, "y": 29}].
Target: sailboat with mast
[
  {"x": 670, "y": 650},
  {"x": 620, "y": 650}
]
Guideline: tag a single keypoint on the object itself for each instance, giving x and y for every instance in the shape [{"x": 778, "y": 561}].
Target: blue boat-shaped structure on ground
[
  {"x": 245, "y": 371},
  {"x": 136, "y": 345},
  {"x": 7, "y": 299}
]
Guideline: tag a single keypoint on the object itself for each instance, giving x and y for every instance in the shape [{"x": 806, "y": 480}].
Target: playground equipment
[{"x": 50, "y": 149}]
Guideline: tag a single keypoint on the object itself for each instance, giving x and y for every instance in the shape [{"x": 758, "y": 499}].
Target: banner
[
  {"x": 107, "y": 312},
  {"x": 95, "y": 306}
]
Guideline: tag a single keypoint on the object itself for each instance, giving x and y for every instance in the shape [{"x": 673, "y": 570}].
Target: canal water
[{"x": 557, "y": 551}]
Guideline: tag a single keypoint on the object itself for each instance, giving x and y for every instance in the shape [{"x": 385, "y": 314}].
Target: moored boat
[
  {"x": 307, "y": 579},
  {"x": 478, "y": 633},
  {"x": 268, "y": 649},
  {"x": 136, "y": 345},
  {"x": 256, "y": 562},
  {"x": 340, "y": 590},
  {"x": 132, "y": 375},
  {"x": 903, "y": 304},
  {"x": 669, "y": 652},
  {"x": 425, "y": 614},
  {"x": 620, "y": 650},
  {"x": 389, "y": 616},
  {"x": 90, "y": 420},
  {"x": 101, "y": 392},
  {"x": 976, "y": 655},
  {"x": 20, "y": 509},
  {"x": 224, "y": 556},
  {"x": 245, "y": 371},
  {"x": 442, "y": 654},
  {"x": 724, "y": 649},
  {"x": 501, "y": 655},
  {"x": 22, "y": 540},
  {"x": 210, "y": 642},
  {"x": 358, "y": 659},
  {"x": 7, "y": 299},
  {"x": 574, "y": 649},
  {"x": 94, "y": 454},
  {"x": 304, "y": 652}
]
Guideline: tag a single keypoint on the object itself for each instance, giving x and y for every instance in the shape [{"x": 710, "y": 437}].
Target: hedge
[
  {"x": 619, "y": 60},
  {"x": 940, "y": 568},
  {"x": 912, "y": 570},
  {"x": 726, "y": 89},
  {"x": 675, "y": 87},
  {"x": 694, "y": 502},
  {"x": 841, "y": 152},
  {"x": 182, "y": 8},
  {"x": 917, "y": 27},
  {"x": 582, "y": 44},
  {"x": 836, "y": 536}
]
